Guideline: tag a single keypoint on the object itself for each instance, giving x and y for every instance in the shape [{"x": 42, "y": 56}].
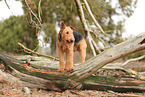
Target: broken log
[{"x": 44, "y": 74}]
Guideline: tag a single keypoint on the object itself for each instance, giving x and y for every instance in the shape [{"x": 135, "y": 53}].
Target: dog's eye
[{"x": 66, "y": 32}]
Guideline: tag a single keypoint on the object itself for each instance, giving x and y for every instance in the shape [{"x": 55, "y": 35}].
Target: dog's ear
[
  {"x": 62, "y": 25},
  {"x": 72, "y": 27}
]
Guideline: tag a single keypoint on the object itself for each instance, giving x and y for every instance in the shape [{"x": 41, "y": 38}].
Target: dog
[{"x": 68, "y": 41}]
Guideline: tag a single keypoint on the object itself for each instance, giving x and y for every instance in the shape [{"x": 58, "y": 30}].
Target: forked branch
[{"x": 31, "y": 12}]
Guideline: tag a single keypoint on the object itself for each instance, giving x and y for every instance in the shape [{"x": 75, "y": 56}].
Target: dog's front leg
[
  {"x": 61, "y": 60},
  {"x": 69, "y": 60}
]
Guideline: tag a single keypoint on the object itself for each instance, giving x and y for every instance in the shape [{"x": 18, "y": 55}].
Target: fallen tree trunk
[
  {"x": 117, "y": 78},
  {"x": 45, "y": 74}
]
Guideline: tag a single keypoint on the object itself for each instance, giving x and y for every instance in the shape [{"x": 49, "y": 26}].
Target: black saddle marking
[{"x": 78, "y": 37}]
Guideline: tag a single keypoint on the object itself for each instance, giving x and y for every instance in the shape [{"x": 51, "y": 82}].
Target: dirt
[{"x": 11, "y": 91}]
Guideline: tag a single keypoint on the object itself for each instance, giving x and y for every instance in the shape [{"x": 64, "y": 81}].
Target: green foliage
[
  {"x": 127, "y": 6},
  {"x": 14, "y": 30}
]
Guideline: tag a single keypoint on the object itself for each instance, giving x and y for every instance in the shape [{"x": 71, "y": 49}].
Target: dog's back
[{"x": 78, "y": 37}]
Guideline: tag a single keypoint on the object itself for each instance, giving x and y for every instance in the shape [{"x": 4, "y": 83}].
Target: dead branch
[
  {"x": 96, "y": 47},
  {"x": 91, "y": 14},
  {"x": 31, "y": 12},
  {"x": 39, "y": 10},
  {"x": 135, "y": 59},
  {"x": 32, "y": 51},
  {"x": 37, "y": 25},
  {"x": 128, "y": 47},
  {"x": 99, "y": 38},
  {"x": 85, "y": 25}
]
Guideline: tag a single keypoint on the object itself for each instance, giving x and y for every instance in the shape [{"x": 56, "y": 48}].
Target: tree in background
[
  {"x": 105, "y": 11},
  {"x": 14, "y": 30},
  {"x": 54, "y": 11}
]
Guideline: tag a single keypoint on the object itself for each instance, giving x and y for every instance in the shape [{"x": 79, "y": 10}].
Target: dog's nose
[{"x": 71, "y": 40}]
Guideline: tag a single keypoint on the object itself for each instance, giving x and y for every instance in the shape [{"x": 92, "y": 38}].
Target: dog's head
[{"x": 66, "y": 33}]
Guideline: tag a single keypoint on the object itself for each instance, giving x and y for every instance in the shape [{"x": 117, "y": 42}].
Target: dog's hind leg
[
  {"x": 82, "y": 50},
  {"x": 83, "y": 55}
]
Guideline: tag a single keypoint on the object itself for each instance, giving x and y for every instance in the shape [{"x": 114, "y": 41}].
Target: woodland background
[
  {"x": 40, "y": 36},
  {"x": 20, "y": 29}
]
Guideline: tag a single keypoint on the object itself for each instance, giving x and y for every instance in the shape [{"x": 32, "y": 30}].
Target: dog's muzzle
[{"x": 70, "y": 41}]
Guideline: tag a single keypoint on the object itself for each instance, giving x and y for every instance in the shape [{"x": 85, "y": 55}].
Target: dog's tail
[{"x": 86, "y": 34}]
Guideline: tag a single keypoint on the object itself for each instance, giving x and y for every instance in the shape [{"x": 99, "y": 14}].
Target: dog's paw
[
  {"x": 71, "y": 69},
  {"x": 61, "y": 70}
]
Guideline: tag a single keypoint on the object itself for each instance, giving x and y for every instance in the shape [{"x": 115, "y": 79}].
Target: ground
[
  {"x": 12, "y": 87},
  {"x": 12, "y": 90}
]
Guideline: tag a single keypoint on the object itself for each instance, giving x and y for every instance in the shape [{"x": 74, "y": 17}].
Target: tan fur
[{"x": 66, "y": 45}]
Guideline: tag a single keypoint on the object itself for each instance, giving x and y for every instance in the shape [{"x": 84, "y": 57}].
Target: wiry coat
[{"x": 68, "y": 40}]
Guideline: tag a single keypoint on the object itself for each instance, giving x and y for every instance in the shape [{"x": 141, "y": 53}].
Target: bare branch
[
  {"x": 96, "y": 47},
  {"x": 39, "y": 10},
  {"x": 91, "y": 45},
  {"x": 97, "y": 36},
  {"x": 32, "y": 51},
  {"x": 91, "y": 14},
  {"x": 37, "y": 24},
  {"x": 85, "y": 25},
  {"x": 131, "y": 60},
  {"x": 31, "y": 12}
]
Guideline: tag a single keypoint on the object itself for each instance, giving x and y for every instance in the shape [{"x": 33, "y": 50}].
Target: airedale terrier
[{"x": 68, "y": 41}]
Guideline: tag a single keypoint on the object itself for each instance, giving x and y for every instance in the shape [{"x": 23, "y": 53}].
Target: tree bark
[{"x": 45, "y": 74}]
